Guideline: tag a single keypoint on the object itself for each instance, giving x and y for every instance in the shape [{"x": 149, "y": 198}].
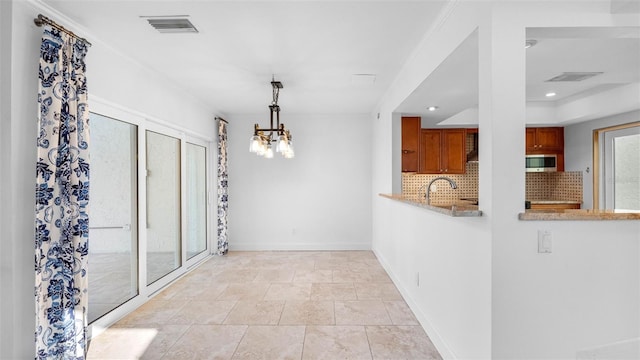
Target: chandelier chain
[{"x": 276, "y": 92}]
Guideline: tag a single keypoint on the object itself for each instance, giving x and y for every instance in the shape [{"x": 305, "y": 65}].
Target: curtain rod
[
  {"x": 221, "y": 119},
  {"x": 41, "y": 20}
]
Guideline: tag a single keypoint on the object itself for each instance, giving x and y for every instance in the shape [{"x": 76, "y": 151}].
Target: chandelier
[{"x": 262, "y": 139}]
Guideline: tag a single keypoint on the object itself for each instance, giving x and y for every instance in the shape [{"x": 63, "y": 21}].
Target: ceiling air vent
[
  {"x": 574, "y": 76},
  {"x": 172, "y": 25}
]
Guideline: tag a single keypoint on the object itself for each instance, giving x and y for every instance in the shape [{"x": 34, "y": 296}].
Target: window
[{"x": 618, "y": 173}]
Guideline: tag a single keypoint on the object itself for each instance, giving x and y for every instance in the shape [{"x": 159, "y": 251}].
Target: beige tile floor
[{"x": 273, "y": 305}]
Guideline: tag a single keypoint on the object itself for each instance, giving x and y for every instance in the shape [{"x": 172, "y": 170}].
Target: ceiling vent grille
[
  {"x": 173, "y": 25},
  {"x": 574, "y": 76}
]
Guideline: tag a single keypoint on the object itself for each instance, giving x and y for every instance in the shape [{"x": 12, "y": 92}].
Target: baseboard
[
  {"x": 437, "y": 340},
  {"x": 270, "y": 246}
]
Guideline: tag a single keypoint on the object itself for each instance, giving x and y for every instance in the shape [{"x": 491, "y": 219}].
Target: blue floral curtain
[
  {"x": 62, "y": 199},
  {"x": 223, "y": 245}
]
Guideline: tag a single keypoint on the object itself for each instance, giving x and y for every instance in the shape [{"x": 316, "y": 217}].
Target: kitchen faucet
[{"x": 451, "y": 182}]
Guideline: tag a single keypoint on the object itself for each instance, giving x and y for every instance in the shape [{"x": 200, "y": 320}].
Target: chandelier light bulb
[
  {"x": 254, "y": 144},
  {"x": 262, "y": 148},
  {"x": 283, "y": 144},
  {"x": 268, "y": 154},
  {"x": 289, "y": 153}
]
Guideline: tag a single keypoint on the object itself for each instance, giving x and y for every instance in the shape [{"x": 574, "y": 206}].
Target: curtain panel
[
  {"x": 223, "y": 245},
  {"x": 62, "y": 198}
]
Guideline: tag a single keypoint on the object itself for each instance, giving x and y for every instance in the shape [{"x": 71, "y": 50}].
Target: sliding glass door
[
  {"x": 196, "y": 193},
  {"x": 164, "y": 253},
  {"x": 113, "y": 245},
  {"x": 149, "y": 216}
]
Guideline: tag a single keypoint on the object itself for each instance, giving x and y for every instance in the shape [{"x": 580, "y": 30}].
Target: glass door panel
[
  {"x": 622, "y": 169},
  {"x": 113, "y": 245},
  {"x": 196, "y": 190},
  {"x": 163, "y": 205},
  {"x": 626, "y": 186}
]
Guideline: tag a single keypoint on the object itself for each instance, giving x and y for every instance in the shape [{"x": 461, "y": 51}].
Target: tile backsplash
[
  {"x": 539, "y": 186},
  {"x": 413, "y": 185},
  {"x": 554, "y": 186}
]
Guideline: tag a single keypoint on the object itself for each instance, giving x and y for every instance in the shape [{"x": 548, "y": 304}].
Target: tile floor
[{"x": 273, "y": 305}]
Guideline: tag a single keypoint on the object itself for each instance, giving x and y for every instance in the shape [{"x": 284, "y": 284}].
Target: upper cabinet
[
  {"x": 410, "y": 143},
  {"x": 443, "y": 151},
  {"x": 545, "y": 140}
]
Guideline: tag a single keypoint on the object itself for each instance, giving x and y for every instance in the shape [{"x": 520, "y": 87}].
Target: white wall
[
  {"x": 318, "y": 200},
  {"x": 585, "y": 294},
  {"x": 451, "y": 258},
  {"x": 578, "y": 148},
  {"x": 452, "y": 255},
  {"x": 136, "y": 88},
  {"x": 6, "y": 181}
]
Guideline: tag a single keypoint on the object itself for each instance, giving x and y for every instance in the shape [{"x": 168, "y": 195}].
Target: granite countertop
[
  {"x": 458, "y": 209},
  {"x": 464, "y": 209},
  {"x": 578, "y": 214}
]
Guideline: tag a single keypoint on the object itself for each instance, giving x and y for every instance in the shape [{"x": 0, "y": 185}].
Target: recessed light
[
  {"x": 432, "y": 108},
  {"x": 529, "y": 43},
  {"x": 550, "y": 94}
]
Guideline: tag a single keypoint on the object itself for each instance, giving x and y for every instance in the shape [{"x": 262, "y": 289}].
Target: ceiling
[
  {"x": 453, "y": 86},
  {"x": 313, "y": 48}
]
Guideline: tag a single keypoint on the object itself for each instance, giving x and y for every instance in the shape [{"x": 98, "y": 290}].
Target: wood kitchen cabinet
[
  {"x": 544, "y": 140},
  {"x": 410, "y": 143},
  {"x": 558, "y": 207},
  {"x": 443, "y": 151}
]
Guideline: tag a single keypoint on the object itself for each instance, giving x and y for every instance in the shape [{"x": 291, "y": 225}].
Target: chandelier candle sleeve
[{"x": 261, "y": 141}]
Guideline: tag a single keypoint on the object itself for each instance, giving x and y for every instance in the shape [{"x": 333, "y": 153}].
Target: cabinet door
[
  {"x": 453, "y": 152},
  {"x": 551, "y": 138},
  {"x": 410, "y": 143},
  {"x": 430, "y": 144},
  {"x": 530, "y": 140}
]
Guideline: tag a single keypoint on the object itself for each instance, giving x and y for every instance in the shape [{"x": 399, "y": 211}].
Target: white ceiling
[
  {"x": 314, "y": 48},
  {"x": 453, "y": 86}
]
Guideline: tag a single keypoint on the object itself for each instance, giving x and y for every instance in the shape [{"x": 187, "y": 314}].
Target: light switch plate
[{"x": 544, "y": 242}]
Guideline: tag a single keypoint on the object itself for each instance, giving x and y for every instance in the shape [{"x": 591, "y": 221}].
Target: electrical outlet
[{"x": 544, "y": 242}]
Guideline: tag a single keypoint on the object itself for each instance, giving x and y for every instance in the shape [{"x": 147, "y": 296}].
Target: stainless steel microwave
[{"x": 541, "y": 163}]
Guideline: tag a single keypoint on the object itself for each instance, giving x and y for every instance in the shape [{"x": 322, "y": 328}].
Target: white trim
[
  {"x": 139, "y": 118},
  {"x": 328, "y": 246}
]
